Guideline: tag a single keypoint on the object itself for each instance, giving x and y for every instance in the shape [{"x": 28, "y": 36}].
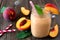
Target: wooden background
[{"x": 3, "y": 23}]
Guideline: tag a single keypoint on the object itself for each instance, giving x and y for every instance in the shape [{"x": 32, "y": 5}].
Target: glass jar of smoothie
[{"x": 40, "y": 24}]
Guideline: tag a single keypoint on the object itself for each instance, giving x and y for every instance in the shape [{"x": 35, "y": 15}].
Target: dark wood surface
[{"x": 3, "y": 23}]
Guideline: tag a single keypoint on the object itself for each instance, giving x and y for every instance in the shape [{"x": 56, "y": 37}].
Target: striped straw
[
  {"x": 9, "y": 26},
  {"x": 4, "y": 31}
]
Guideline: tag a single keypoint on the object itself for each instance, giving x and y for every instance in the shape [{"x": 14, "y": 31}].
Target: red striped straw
[
  {"x": 9, "y": 26},
  {"x": 4, "y": 31}
]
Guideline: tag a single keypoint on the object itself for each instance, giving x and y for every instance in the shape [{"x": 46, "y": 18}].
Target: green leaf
[
  {"x": 2, "y": 9},
  {"x": 38, "y": 9},
  {"x": 23, "y": 34}
]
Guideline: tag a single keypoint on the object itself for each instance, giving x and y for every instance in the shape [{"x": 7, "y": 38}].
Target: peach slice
[
  {"x": 50, "y": 5},
  {"x": 51, "y": 8},
  {"x": 23, "y": 23},
  {"x": 25, "y": 11},
  {"x": 54, "y": 31}
]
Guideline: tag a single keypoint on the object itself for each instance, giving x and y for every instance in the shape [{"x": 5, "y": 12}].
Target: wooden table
[{"x": 3, "y": 23}]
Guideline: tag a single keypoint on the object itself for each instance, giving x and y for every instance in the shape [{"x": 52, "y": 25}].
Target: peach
[
  {"x": 23, "y": 23},
  {"x": 51, "y": 8},
  {"x": 9, "y": 14},
  {"x": 25, "y": 11},
  {"x": 54, "y": 31},
  {"x": 51, "y": 5}
]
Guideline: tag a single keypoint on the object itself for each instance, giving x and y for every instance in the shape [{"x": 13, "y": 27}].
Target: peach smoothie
[{"x": 40, "y": 25}]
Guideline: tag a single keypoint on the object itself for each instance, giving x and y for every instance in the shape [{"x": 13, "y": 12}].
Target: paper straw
[
  {"x": 32, "y": 5},
  {"x": 4, "y": 31},
  {"x": 9, "y": 26}
]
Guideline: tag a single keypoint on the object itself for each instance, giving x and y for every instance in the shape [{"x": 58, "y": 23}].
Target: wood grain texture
[{"x": 25, "y": 3}]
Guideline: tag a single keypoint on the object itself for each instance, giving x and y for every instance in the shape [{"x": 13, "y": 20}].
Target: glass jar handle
[{"x": 53, "y": 21}]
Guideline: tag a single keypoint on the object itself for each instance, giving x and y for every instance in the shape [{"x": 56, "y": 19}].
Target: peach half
[
  {"x": 54, "y": 31},
  {"x": 23, "y": 23}
]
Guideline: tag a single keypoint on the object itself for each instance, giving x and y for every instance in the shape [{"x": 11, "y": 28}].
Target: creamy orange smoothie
[{"x": 40, "y": 25}]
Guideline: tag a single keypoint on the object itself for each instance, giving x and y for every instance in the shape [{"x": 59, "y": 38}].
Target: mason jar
[{"x": 40, "y": 24}]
